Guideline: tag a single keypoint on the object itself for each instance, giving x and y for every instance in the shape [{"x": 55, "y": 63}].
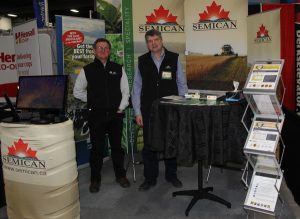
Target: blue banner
[{"x": 39, "y": 12}]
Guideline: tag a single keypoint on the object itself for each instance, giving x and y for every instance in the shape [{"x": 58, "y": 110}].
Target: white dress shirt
[{"x": 80, "y": 88}]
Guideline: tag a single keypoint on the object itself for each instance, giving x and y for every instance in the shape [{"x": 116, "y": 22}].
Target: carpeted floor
[{"x": 114, "y": 202}]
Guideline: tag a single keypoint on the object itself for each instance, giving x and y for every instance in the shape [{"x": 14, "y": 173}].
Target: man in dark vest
[
  {"x": 103, "y": 84},
  {"x": 159, "y": 74}
]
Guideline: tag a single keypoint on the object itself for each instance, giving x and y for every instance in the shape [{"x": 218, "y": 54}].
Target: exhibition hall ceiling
[{"x": 24, "y": 8}]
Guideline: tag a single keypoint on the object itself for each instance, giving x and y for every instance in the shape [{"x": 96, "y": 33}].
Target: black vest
[
  {"x": 154, "y": 86},
  {"x": 103, "y": 90}
]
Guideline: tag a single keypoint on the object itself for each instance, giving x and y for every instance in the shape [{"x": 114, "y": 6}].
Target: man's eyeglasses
[{"x": 102, "y": 49}]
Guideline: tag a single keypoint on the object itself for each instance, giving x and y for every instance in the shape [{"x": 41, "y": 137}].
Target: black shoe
[
  {"x": 175, "y": 182},
  {"x": 124, "y": 182},
  {"x": 95, "y": 187},
  {"x": 146, "y": 185}
]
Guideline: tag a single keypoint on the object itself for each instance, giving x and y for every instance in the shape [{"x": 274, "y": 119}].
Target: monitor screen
[{"x": 47, "y": 92}]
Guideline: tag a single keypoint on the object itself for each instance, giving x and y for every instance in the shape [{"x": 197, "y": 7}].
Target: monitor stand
[
  {"x": 48, "y": 118},
  {"x": 15, "y": 116},
  {"x": 38, "y": 120}
]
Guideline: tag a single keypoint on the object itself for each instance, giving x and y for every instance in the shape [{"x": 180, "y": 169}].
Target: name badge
[{"x": 167, "y": 75}]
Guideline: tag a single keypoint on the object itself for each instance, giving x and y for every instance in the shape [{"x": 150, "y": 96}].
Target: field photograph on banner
[
  {"x": 216, "y": 43},
  {"x": 75, "y": 38}
]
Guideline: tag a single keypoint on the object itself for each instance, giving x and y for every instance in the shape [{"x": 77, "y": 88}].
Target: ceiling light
[
  {"x": 74, "y": 10},
  {"x": 12, "y": 15}
]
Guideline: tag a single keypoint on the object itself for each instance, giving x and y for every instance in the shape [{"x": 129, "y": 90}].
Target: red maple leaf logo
[
  {"x": 214, "y": 13},
  {"x": 20, "y": 149},
  {"x": 263, "y": 32},
  {"x": 161, "y": 16}
]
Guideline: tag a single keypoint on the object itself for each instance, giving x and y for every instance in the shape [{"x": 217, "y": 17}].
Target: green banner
[
  {"x": 128, "y": 40},
  {"x": 128, "y": 64}
]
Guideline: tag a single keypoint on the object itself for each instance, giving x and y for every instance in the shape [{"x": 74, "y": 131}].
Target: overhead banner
[
  {"x": 39, "y": 12},
  {"x": 26, "y": 43},
  {"x": 165, "y": 16},
  {"x": 216, "y": 43},
  {"x": 263, "y": 36},
  {"x": 8, "y": 70}
]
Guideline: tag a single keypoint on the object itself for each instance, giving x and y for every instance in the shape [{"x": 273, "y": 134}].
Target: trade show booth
[{"x": 241, "y": 108}]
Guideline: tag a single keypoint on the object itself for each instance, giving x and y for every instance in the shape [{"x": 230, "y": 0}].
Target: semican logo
[
  {"x": 21, "y": 156},
  {"x": 163, "y": 20},
  {"x": 262, "y": 36},
  {"x": 20, "y": 149},
  {"x": 214, "y": 18}
]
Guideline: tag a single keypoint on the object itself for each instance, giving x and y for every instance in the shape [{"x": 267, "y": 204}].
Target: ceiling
[{"x": 24, "y": 8}]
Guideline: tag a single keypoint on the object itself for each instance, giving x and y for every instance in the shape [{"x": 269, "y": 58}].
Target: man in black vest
[
  {"x": 103, "y": 84},
  {"x": 159, "y": 74}
]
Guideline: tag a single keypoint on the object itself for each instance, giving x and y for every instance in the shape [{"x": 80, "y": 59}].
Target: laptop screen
[{"x": 47, "y": 92}]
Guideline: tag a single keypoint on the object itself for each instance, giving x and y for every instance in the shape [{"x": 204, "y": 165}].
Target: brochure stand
[{"x": 263, "y": 138}]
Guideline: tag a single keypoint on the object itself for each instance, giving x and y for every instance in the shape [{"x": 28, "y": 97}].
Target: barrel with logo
[{"x": 40, "y": 171}]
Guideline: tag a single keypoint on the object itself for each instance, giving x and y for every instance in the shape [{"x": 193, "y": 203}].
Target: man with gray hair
[{"x": 159, "y": 73}]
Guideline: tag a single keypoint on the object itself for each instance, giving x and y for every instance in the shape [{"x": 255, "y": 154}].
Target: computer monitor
[{"x": 44, "y": 94}]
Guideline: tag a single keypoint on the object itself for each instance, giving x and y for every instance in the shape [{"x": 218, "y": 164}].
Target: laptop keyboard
[{"x": 25, "y": 115}]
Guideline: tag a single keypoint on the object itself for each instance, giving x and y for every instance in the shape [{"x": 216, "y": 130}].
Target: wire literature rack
[{"x": 263, "y": 167}]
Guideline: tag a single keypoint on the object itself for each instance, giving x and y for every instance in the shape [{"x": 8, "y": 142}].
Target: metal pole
[{"x": 46, "y": 14}]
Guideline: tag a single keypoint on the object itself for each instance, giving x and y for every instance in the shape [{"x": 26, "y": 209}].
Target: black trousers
[
  {"x": 102, "y": 123},
  {"x": 151, "y": 161}
]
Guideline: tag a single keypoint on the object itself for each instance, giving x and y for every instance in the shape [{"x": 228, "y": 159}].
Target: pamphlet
[
  {"x": 264, "y": 76},
  {"x": 262, "y": 193},
  {"x": 263, "y": 136}
]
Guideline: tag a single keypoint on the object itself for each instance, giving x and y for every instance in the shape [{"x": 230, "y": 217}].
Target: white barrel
[{"x": 40, "y": 171}]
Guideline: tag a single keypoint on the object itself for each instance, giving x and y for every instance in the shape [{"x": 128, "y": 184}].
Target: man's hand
[{"x": 139, "y": 120}]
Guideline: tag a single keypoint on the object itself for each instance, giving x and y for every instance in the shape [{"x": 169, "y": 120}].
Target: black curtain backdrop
[{"x": 291, "y": 161}]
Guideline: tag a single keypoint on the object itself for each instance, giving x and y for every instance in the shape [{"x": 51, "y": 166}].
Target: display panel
[{"x": 42, "y": 92}]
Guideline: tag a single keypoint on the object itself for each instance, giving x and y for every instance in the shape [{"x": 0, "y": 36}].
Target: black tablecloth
[
  {"x": 291, "y": 162},
  {"x": 210, "y": 132}
]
